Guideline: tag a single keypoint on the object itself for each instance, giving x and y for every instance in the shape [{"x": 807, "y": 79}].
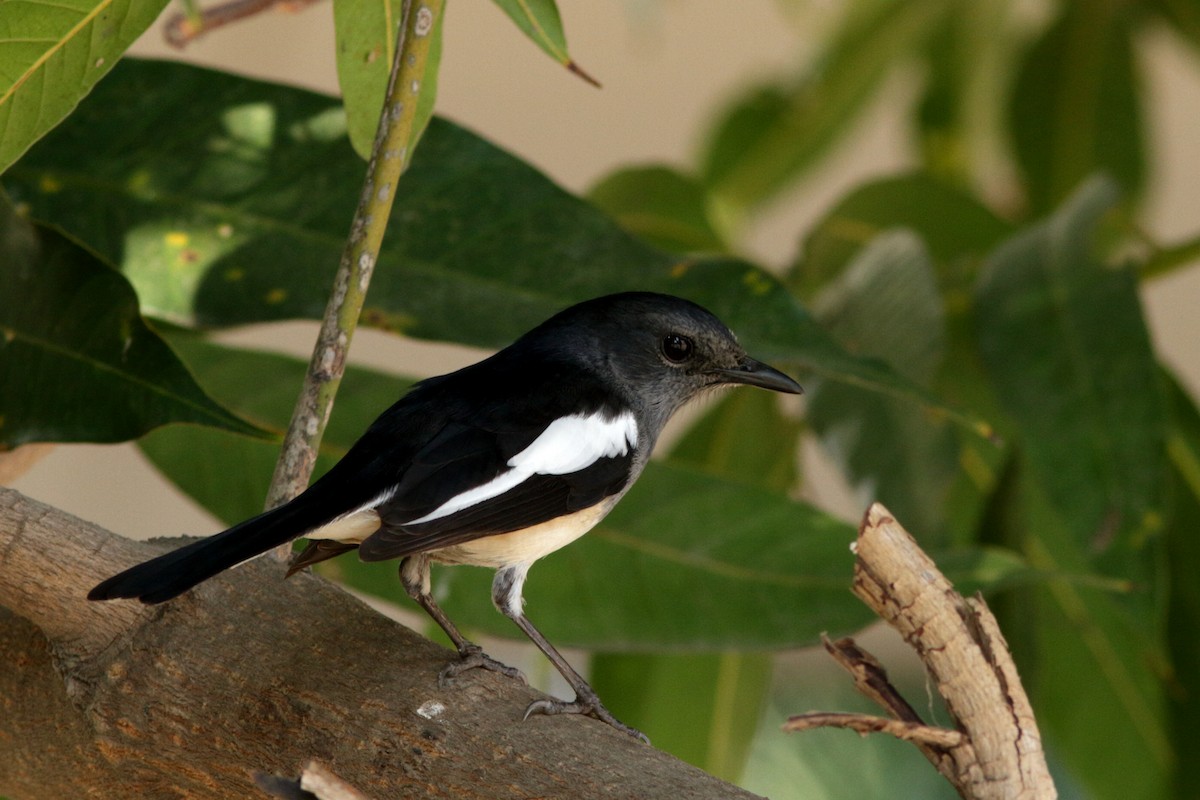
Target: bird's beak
[{"x": 756, "y": 373}]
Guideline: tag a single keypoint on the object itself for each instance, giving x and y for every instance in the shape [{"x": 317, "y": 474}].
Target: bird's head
[{"x": 662, "y": 351}]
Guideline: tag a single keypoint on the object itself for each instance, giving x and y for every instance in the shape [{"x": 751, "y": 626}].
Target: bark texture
[
  {"x": 995, "y": 751},
  {"x": 253, "y": 674}
]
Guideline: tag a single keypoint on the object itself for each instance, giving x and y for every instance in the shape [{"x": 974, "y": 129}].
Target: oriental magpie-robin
[{"x": 497, "y": 464}]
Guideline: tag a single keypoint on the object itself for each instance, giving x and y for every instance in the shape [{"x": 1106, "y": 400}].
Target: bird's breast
[{"x": 527, "y": 545}]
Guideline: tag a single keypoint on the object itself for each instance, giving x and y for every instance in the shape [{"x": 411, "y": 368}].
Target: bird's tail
[{"x": 172, "y": 574}]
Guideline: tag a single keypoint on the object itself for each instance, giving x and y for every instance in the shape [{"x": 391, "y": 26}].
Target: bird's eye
[{"x": 676, "y": 348}]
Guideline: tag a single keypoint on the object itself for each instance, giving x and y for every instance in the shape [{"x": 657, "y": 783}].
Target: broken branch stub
[{"x": 995, "y": 751}]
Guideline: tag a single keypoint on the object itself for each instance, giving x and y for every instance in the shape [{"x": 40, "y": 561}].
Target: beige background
[{"x": 665, "y": 66}]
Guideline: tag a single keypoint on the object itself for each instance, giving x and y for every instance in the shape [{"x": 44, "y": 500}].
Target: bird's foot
[
  {"x": 586, "y": 703},
  {"x": 473, "y": 657}
]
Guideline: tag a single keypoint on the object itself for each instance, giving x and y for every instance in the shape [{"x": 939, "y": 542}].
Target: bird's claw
[
  {"x": 590, "y": 707},
  {"x": 473, "y": 657}
]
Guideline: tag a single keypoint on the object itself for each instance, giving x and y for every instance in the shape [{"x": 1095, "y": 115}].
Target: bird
[{"x": 495, "y": 465}]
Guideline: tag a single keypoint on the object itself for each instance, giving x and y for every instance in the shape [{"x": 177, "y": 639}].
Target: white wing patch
[{"x": 568, "y": 445}]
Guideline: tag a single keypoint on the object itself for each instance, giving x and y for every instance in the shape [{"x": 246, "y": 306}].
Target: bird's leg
[
  {"x": 414, "y": 576},
  {"x": 506, "y": 594}
]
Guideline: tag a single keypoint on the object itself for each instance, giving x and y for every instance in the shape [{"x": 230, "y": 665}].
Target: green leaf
[
  {"x": 539, "y": 20},
  {"x": 229, "y": 474},
  {"x": 1182, "y": 15},
  {"x": 1093, "y": 666},
  {"x": 173, "y": 172},
  {"x": 365, "y": 31},
  {"x": 701, "y": 564},
  {"x": 834, "y": 764},
  {"x": 963, "y": 382},
  {"x": 956, "y": 232},
  {"x": 955, "y": 228},
  {"x": 52, "y": 53},
  {"x": 961, "y": 111},
  {"x": 366, "y": 47},
  {"x": 1063, "y": 340},
  {"x": 1075, "y": 108},
  {"x": 728, "y": 566},
  {"x": 988, "y": 569},
  {"x": 660, "y": 205},
  {"x": 773, "y": 134},
  {"x": 1087, "y": 663},
  {"x": 77, "y": 362},
  {"x": 714, "y": 727},
  {"x": 886, "y": 304},
  {"x": 745, "y": 437},
  {"x": 1183, "y": 603},
  {"x": 944, "y": 144}
]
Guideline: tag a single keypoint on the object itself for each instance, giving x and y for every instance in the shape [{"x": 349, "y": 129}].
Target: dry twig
[{"x": 995, "y": 750}]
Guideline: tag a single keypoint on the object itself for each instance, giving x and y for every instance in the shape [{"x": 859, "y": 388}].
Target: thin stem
[
  {"x": 389, "y": 158},
  {"x": 184, "y": 28},
  {"x": 1166, "y": 260}
]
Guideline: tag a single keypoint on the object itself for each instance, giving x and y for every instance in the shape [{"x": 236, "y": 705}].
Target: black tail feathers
[{"x": 172, "y": 574}]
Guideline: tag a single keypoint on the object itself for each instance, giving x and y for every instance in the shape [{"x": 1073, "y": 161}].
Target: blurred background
[{"x": 667, "y": 68}]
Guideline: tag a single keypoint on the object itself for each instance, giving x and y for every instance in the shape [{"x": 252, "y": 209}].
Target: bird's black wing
[
  {"x": 572, "y": 449},
  {"x": 536, "y": 499}
]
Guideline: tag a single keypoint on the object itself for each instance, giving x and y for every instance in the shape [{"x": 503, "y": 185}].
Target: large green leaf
[
  {"x": 1063, "y": 340},
  {"x": 52, "y": 53},
  {"x": 366, "y": 47},
  {"x": 226, "y": 201},
  {"x": 954, "y": 227},
  {"x": 701, "y": 707},
  {"x": 768, "y": 137},
  {"x": 967, "y": 76},
  {"x": 1075, "y": 108},
  {"x": 956, "y": 233},
  {"x": 744, "y": 437},
  {"x": 1182, "y": 15},
  {"x": 77, "y": 362},
  {"x": 835, "y": 764},
  {"x": 662, "y": 206},
  {"x": 701, "y": 563},
  {"x": 228, "y": 474},
  {"x": 1094, "y": 671},
  {"x": 1183, "y": 605},
  {"x": 886, "y": 304}
]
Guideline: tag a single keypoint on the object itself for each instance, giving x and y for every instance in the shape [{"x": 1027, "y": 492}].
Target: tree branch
[
  {"x": 252, "y": 674},
  {"x": 389, "y": 158},
  {"x": 995, "y": 750},
  {"x": 865, "y": 723}
]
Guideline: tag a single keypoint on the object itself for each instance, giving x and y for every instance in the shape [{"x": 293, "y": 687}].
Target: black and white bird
[{"x": 495, "y": 465}]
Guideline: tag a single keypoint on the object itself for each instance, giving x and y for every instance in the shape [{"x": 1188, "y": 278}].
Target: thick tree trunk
[{"x": 250, "y": 673}]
